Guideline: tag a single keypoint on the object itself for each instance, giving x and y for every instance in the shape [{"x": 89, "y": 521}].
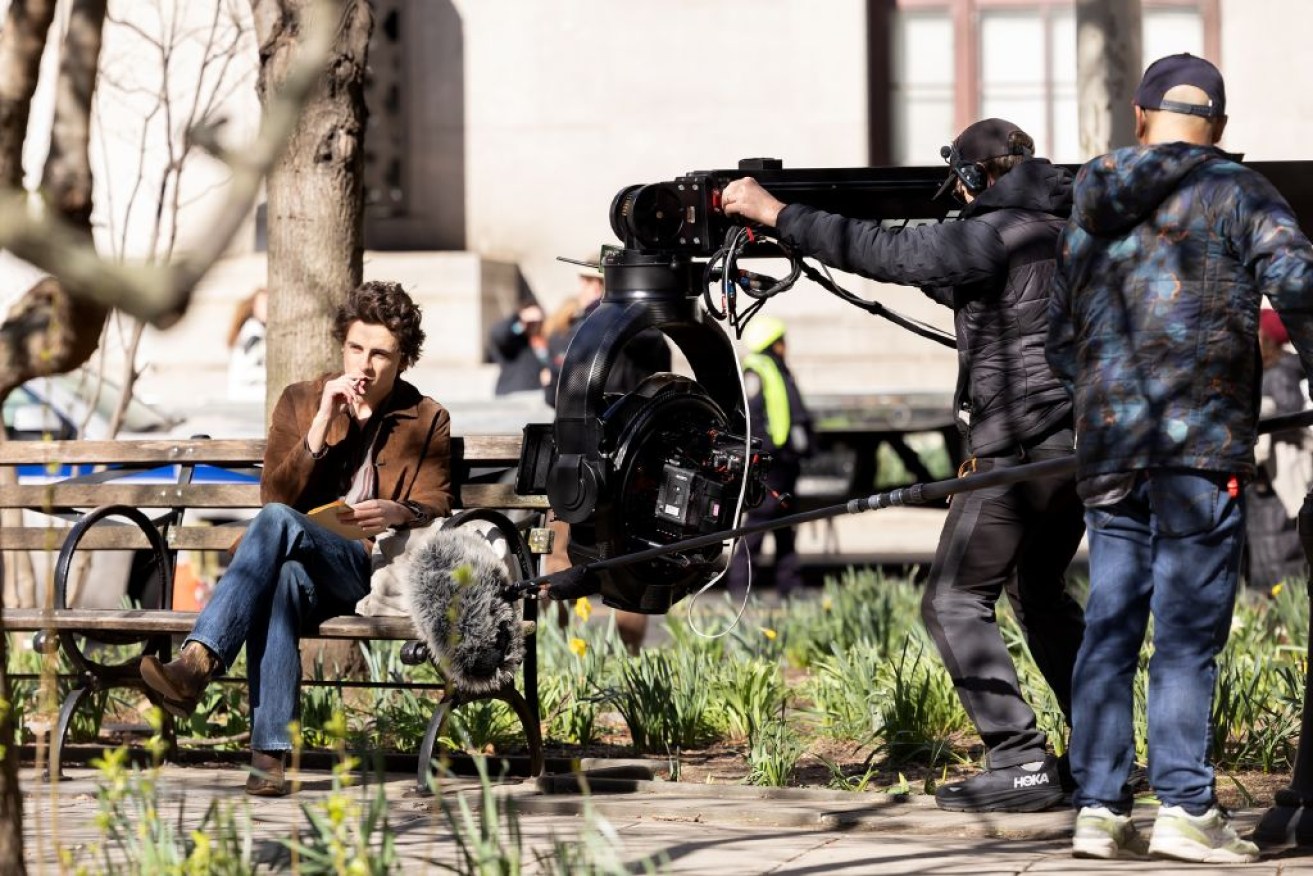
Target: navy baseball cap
[{"x": 1184, "y": 69}]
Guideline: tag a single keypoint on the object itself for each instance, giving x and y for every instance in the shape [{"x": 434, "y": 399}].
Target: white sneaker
[
  {"x": 1204, "y": 839},
  {"x": 1102, "y": 833}
]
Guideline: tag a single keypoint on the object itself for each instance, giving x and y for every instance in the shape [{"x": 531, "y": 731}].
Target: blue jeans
[
  {"x": 1171, "y": 548},
  {"x": 288, "y": 573}
]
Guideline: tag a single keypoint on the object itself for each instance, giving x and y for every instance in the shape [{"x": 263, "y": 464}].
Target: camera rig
[
  {"x": 651, "y": 482},
  {"x": 683, "y": 216}
]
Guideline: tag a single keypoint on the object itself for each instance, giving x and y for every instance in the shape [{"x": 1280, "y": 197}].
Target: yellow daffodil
[
  {"x": 1277, "y": 588},
  {"x": 769, "y": 633},
  {"x": 578, "y": 646},
  {"x": 583, "y": 609}
]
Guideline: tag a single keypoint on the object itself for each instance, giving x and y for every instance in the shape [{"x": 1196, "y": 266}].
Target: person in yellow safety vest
[{"x": 777, "y": 416}]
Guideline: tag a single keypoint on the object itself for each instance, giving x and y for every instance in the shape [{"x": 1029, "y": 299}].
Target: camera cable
[{"x": 736, "y": 543}]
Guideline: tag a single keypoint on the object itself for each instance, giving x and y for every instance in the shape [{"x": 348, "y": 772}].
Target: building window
[
  {"x": 955, "y": 61},
  {"x": 385, "y": 135}
]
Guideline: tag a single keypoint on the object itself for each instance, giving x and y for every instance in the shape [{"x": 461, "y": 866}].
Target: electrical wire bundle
[{"x": 722, "y": 270}]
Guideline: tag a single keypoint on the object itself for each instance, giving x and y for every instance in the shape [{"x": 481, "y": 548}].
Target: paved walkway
[{"x": 688, "y": 828}]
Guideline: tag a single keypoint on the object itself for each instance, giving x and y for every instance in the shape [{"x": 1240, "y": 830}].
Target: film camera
[
  {"x": 664, "y": 462},
  {"x": 670, "y": 460},
  {"x": 682, "y": 215}
]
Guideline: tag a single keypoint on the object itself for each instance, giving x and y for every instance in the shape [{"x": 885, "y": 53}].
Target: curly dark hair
[{"x": 387, "y": 304}]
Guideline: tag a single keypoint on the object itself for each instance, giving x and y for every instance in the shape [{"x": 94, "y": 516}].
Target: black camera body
[
  {"x": 665, "y": 462},
  {"x": 698, "y": 494}
]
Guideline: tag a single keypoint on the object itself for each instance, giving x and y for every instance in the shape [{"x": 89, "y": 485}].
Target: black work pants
[{"x": 1016, "y": 539}]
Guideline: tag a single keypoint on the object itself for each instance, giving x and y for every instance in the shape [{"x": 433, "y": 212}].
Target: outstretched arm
[
  {"x": 1281, "y": 259},
  {"x": 942, "y": 254}
]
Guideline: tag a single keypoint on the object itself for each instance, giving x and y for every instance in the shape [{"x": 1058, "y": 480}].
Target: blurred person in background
[
  {"x": 780, "y": 419},
  {"x": 1285, "y": 464},
  {"x": 647, "y": 353},
  {"x": 519, "y": 345},
  {"x": 246, "y": 347}
]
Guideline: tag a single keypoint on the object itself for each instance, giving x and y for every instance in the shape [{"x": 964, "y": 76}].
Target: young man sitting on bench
[{"x": 362, "y": 436}]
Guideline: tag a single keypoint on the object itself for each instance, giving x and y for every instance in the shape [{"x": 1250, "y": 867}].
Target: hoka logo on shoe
[{"x": 1030, "y": 781}]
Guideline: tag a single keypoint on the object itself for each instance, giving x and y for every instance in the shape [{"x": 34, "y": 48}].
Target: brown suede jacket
[{"x": 412, "y": 460}]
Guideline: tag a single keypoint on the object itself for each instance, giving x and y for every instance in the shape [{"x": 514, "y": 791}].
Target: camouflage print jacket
[{"x": 1153, "y": 317}]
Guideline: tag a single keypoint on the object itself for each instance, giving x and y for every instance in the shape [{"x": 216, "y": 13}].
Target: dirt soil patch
[{"x": 832, "y": 764}]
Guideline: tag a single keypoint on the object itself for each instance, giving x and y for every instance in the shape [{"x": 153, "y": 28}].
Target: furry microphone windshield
[{"x": 458, "y": 598}]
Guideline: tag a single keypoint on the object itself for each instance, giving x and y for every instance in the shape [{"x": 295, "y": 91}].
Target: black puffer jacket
[{"x": 994, "y": 268}]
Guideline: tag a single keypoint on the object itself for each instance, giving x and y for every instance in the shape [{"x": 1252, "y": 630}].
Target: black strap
[{"x": 1189, "y": 109}]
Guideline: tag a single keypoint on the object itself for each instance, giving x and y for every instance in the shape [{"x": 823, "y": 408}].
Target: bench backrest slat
[
  {"x": 476, "y": 451},
  {"x": 156, "y": 622},
  {"x": 469, "y": 449},
  {"x": 59, "y": 495}
]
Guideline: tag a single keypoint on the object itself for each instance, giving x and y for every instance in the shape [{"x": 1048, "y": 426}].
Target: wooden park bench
[{"x": 160, "y": 488}]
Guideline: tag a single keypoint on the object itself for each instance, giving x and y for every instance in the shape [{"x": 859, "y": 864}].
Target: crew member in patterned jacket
[
  {"x": 994, "y": 269},
  {"x": 1153, "y": 324}
]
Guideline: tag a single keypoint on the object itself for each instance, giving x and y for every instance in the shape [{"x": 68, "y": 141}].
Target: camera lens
[{"x": 649, "y": 215}]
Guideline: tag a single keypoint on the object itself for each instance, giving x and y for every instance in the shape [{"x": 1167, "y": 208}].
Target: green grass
[{"x": 860, "y": 670}]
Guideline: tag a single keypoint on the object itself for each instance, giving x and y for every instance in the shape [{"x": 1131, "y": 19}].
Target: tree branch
[
  {"x": 66, "y": 181},
  {"x": 22, "y": 40},
  {"x": 159, "y": 295}
]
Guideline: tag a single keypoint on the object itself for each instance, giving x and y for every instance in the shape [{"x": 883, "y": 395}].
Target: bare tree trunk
[
  {"x": 47, "y": 329},
  {"x": 66, "y": 181},
  {"x": 315, "y": 195},
  {"x": 22, "y": 40},
  {"x": 1108, "y": 67}
]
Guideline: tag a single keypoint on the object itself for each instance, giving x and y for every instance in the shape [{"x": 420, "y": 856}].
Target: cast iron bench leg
[
  {"x": 512, "y": 697},
  {"x": 54, "y": 769}
]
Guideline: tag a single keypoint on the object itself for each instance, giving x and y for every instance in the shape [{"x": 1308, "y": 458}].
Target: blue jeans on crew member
[
  {"x": 1171, "y": 548},
  {"x": 287, "y": 574}
]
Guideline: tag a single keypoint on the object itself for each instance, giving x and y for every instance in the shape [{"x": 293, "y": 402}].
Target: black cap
[
  {"x": 980, "y": 141},
  {"x": 1184, "y": 69}
]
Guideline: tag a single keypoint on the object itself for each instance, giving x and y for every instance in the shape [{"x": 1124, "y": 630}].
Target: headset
[{"x": 973, "y": 175}]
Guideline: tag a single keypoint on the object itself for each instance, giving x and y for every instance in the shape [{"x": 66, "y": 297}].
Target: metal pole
[
  {"x": 574, "y": 582},
  {"x": 917, "y": 494}
]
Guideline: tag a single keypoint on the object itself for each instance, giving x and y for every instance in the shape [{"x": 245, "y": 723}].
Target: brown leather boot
[
  {"x": 268, "y": 774},
  {"x": 180, "y": 682}
]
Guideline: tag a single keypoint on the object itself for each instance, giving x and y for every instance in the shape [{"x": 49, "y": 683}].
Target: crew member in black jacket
[{"x": 993, "y": 268}]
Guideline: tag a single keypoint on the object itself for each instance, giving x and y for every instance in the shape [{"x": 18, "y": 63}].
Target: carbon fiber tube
[{"x": 916, "y": 494}]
